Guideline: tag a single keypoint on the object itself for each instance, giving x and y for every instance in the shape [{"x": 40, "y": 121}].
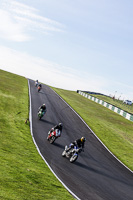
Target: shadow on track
[
  {"x": 42, "y": 92},
  {"x": 46, "y": 93},
  {"x": 79, "y": 164},
  {"x": 58, "y": 145},
  {"x": 48, "y": 122},
  {"x": 118, "y": 179},
  {"x": 82, "y": 165}
]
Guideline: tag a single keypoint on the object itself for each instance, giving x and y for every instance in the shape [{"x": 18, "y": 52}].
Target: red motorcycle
[
  {"x": 39, "y": 88},
  {"x": 53, "y": 135}
]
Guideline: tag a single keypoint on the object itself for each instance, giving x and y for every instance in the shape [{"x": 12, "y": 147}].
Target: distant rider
[
  {"x": 40, "y": 85},
  {"x": 78, "y": 143},
  {"x": 36, "y": 83}
]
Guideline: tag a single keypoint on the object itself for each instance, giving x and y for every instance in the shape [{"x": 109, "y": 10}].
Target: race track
[{"x": 96, "y": 175}]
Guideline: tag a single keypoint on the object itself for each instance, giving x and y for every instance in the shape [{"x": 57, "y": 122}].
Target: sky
[{"x": 70, "y": 44}]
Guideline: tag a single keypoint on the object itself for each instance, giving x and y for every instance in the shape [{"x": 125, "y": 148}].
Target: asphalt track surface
[{"x": 96, "y": 175}]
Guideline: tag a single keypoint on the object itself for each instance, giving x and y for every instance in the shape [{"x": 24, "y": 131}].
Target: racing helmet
[
  {"x": 44, "y": 106},
  {"x": 83, "y": 139},
  {"x": 60, "y": 124}
]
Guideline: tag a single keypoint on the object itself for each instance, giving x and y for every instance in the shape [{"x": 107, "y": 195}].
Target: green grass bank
[
  {"x": 114, "y": 131},
  {"x": 23, "y": 173}
]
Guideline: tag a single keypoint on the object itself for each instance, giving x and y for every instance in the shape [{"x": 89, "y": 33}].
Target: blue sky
[{"x": 70, "y": 44}]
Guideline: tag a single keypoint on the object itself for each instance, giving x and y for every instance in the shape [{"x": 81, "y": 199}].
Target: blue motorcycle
[{"x": 71, "y": 153}]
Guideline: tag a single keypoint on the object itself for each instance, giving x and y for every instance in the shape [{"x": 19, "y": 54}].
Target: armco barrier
[{"x": 107, "y": 105}]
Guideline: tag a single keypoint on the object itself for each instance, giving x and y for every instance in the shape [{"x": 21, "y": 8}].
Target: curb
[{"x": 115, "y": 109}]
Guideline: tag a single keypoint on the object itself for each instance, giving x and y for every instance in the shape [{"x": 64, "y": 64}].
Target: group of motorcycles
[{"x": 71, "y": 153}]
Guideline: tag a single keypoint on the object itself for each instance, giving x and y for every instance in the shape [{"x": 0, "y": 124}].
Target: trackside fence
[{"x": 107, "y": 105}]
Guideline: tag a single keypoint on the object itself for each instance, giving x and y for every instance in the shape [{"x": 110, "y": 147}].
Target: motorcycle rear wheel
[{"x": 39, "y": 117}]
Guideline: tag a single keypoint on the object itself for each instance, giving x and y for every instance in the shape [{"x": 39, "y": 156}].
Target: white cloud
[
  {"x": 46, "y": 71},
  {"x": 30, "y": 12},
  {"x": 58, "y": 76},
  {"x": 11, "y": 30},
  {"x": 18, "y": 19}
]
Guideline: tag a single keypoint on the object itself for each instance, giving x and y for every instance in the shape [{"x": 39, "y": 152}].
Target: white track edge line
[
  {"x": 30, "y": 119},
  {"x": 95, "y": 134}
]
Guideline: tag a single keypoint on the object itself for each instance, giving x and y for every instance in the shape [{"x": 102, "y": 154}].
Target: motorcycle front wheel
[
  {"x": 64, "y": 153},
  {"x": 74, "y": 158},
  {"x": 52, "y": 139}
]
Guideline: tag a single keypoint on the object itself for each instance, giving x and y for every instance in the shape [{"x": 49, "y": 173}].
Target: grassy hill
[{"x": 23, "y": 173}]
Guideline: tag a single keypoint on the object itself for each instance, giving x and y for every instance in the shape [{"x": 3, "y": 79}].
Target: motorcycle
[
  {"x": 39, "y": 88},
  {"x": 41, "y": 113},
  {"x": 36, "y": 83},
  {"x": 72, "y": 153},
  {"x": 52, "y": 136}
]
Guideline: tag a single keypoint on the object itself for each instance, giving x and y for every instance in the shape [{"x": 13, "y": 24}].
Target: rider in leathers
[
  {"x": 43, "y": 107},
  {"x": 79, "y": 143},
  {"x": 59, "y": 127}
]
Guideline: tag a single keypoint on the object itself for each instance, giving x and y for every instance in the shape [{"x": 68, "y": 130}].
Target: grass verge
[
  {"x": 114, "y": 131},
  {"x": 23, "y": 173}
]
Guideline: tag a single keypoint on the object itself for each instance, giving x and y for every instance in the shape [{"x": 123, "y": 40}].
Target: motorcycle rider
[
  {"x": 59, "y": 127},
  {"x": 39, "y": 87},
  {"x": 36, "y": 83},
  {"x": 43, "y": 107},
  {"x": 78, "y": 143}
]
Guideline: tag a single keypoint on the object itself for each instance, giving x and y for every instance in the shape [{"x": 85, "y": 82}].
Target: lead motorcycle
[
  {"x": 53, "y": 135},
  {"x": 36, "y": 83},
  {"x": 71, "y": 153},
  {"x": 41, "y": 113}
]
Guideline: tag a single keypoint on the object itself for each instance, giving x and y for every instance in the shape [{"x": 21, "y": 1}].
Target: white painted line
[
  {"x": 110, "y": 106},
  {"x": 116, "y": 109},
  {"x": 128, "y": 116},
  {"x": 121, "y": 112}
]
